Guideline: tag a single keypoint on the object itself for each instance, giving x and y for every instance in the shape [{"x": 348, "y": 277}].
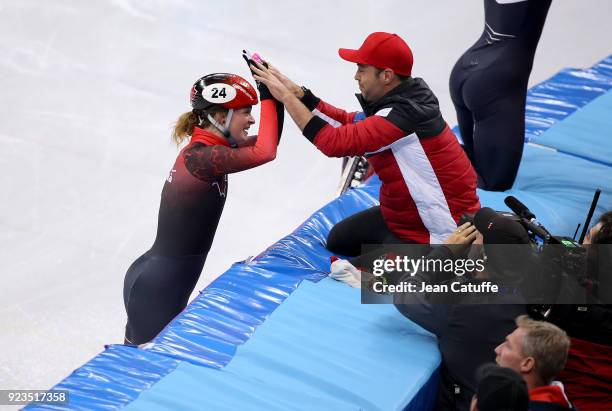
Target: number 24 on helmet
[{"x": 227, "y": 90}]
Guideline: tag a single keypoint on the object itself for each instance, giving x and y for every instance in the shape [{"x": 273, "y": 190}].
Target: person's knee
[
  {"x": 495, "y": 183},
  {"x": 497, "y": 167},
  {"x": 343, "y": 240},
  {"x": 334, "y": 240}
]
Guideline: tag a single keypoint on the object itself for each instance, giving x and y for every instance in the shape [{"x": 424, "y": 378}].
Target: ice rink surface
[{"x": 89, "y": 91}]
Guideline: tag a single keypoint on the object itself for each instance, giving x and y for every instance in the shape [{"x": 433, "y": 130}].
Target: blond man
[{"x": 537, "y": 350}]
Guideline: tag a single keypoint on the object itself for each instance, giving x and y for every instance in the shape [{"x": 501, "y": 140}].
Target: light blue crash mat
[
  {"x": 321, "y": 349},
  {"x": 586, "y": 133},
  {"x": 557, "y": 188}
]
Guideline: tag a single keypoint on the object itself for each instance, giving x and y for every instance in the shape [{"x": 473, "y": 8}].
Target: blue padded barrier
[
  {"x": 557, "y": 188},
  {"x": 324, "y": 342},
  {"x": 567, "y": 91},
  {"x": 246, "y": 294},
  {"x": 222, "y": 390},
  {"x": 223, "y": 316},
  {"x": 227, "y": 312},
  {"x": 232, "y": 324},
  {"x": 586, "y": 133},
  {"x": 112, "y": 379},
  {"x": 320, "y": 348},
  {"x": 556, "y": 98}
]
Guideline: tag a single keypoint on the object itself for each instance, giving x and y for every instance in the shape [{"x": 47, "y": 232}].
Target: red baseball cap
[{"x": 382, "y": 50}]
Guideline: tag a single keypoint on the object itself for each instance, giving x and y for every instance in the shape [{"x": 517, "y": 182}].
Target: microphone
[
  {"x": 519, "y": 208},
  {"x": 533, "y": 225}
]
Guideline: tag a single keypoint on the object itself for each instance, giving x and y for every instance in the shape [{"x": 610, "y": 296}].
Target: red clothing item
[
  {"x": 551, "y": 394},
  {"x": 195, "y": 191},
  {"x": 428, "y": 182},
  {"x": 588, "y": 375},
  {"x": 208, "y": 155}
]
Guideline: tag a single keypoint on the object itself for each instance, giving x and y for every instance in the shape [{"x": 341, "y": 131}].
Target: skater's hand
[
  {"x": 277, "y": 88},
  {"x": 264, "y": 93},
  {"x": 287, "y": 82}
]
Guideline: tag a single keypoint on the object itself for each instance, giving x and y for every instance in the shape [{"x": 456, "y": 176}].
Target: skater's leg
[
  {"x": 499, "y": 138},
  {"x": 465, "y": 118},
  {"x": 156, "y": 289}
]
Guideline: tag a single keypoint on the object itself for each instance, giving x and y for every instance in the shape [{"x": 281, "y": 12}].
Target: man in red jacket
[{"x": 427, "y": 180}]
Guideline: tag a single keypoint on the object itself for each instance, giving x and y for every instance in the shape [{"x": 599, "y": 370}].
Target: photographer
[
  {"x": 588, "y": 372},
  {"x": 499, "y": 388},
  {"x": 467, "y": 331}
]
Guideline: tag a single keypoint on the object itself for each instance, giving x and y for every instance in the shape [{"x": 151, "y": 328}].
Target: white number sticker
[{"x": 219, "y": 93}]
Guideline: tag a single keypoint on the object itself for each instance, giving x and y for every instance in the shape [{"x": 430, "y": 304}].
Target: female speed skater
[
  {"x": 488, "y": 86},
  {"x": 158, "y": 284}
]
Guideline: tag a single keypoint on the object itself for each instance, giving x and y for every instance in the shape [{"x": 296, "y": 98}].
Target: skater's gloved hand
[
  {"x": 252, "y": 60},
  {"x": 276, "y": 87}
]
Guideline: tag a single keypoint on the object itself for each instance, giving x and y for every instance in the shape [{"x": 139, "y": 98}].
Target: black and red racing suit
[{"x": 158, "y": 284}]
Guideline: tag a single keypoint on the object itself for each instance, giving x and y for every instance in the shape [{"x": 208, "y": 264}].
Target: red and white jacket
[{"x": 428, "y": 182}]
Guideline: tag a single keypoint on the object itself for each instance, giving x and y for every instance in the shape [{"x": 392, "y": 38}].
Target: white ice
[{"x": 88, "y": 93}]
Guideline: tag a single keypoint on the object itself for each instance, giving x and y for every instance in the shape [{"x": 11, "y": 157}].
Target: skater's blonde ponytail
[{"x": 183, "y": 128}]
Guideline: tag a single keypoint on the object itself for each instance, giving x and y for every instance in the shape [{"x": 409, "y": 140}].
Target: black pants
[
  {"x": 368, "y": 227},
  {"x": 488, "y": 87},
  {"x": 155, "y": 290}
]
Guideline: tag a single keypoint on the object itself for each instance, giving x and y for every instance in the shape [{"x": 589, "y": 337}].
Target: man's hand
[
  {"x": 274, "y": 84},
  {"x": 461, "y": 238},
  {"x": 465, "y": 234},
  {"x": 300, "y": 114},
  {"x": 287, "y": 82}
]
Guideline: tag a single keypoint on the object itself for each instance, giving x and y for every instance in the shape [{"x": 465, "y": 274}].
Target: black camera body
[
  {"x": 466, "y": 218},
  {"x": 566, "y": 261}
]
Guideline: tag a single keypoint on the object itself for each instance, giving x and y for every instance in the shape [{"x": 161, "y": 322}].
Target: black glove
[{"x": 264, "y": 93}]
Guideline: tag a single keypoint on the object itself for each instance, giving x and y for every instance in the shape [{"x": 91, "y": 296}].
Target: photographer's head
[
  {"x": 499, "y": 389},
  {"x": 536, "y": 349},
  {"x": 504, "y": 246},
  {"x": 483, "y": 233},
  {"x": 497, "y": 228},
  {"x": 598, "y": 242},
  {"x": 600, "y": 233}
]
